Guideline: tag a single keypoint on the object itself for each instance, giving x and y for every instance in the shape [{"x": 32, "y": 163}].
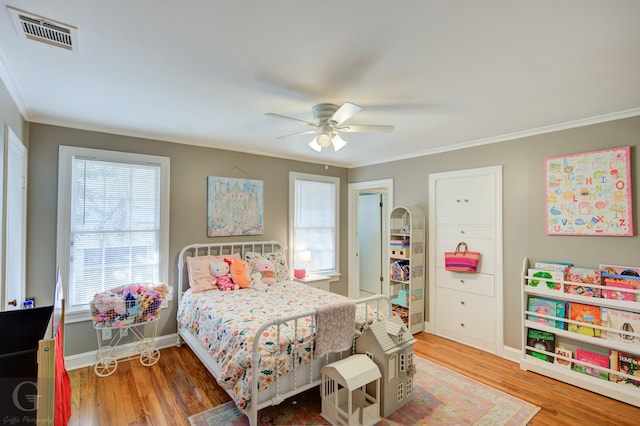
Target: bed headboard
[{"x": 220, "y": 249}]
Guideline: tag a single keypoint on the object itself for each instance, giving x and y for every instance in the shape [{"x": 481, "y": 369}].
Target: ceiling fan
[{"x": 329, "y": 123}]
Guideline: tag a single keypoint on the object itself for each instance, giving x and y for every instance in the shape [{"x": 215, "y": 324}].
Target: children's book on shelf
[
  {"x": 586, "y": 314},
  {"x": 566, "y": 353},
  {"x": 544, "y": 280},
  {"x": 617, "y": 282},
  {"x": 594, "y": 360},
  {"x": 584, "y": 276},
  {"x": 625, "y": 363},
  {"x": 553, "y": 266},
  {"x": 624, "y": 322},
  {"x": 549, "y": 307},
  {"x": 633, "y": 271},
  {"x": 542, "y": 340}
]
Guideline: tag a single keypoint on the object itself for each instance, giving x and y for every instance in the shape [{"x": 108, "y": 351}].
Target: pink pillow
[
  {"x": 276, "y": 257},
  {"x": 199, "y": 270}
]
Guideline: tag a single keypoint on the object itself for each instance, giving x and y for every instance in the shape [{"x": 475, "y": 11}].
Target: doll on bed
[{"x": 220, "y": 270}]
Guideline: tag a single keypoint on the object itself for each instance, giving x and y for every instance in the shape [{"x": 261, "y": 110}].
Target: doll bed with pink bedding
[{"x": 290, "y": 330}]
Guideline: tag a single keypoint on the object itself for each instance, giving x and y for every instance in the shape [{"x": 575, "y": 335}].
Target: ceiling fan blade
[
  {"x": 314, "y": 145},
  {"x": 338, "y": 142},
  {"x": 366, "y": 128},
  {"x": 306, "y": 132},
  {"x": 286, "y": 117},
  {"x": 345, "y": 112}
]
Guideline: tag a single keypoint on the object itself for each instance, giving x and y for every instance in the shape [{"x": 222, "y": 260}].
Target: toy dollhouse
[
  {"x": 389, "y": 344},
  {"x": 350, "y": 391}
]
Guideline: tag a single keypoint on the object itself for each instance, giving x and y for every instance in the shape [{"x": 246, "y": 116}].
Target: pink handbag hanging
[{"x": 462, "y": 260}]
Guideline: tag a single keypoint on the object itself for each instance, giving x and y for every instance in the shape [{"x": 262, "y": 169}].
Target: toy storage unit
[
  {"x": 566, "y": 336},
  {"x": 406, "y": 265},
  {"x": 139, "y": 317}
]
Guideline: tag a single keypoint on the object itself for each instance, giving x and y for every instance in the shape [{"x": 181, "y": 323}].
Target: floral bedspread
[{"x": 225, "y": 323}]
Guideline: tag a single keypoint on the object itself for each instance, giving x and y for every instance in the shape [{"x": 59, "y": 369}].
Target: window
[
  {"x": 113, "y": 222},
  {"x": 400, "y": 392},
  {"x": 313, "y": 222},
  {"x": 393, "y": 366},
  {"x": 409, "y": 387}
]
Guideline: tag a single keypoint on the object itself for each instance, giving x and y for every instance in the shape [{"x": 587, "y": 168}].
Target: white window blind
[
  {"x": 315, "y": 222},
  {"x": 117, "y": 225}
]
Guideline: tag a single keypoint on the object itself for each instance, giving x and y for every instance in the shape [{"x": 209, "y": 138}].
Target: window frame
[
  {"x": 296, "y": 176},
  {"x": 66, "y": 155}
]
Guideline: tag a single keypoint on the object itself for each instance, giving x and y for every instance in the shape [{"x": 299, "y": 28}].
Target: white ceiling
[{"x": 446, "y": 74}]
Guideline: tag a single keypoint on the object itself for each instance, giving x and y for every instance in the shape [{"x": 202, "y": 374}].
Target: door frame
[
  {"x": 11, "y": 141},
  {"x": 384, "y": 186}
]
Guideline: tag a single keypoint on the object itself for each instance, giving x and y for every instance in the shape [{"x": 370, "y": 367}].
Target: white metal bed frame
[{"x": 302, "y": 377}]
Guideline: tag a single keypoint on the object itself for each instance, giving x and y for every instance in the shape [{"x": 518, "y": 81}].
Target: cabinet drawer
[
  {"x": 466, "y": 200},
  {"x": 486, "y": 247},
  {"x": 463, "y": 315},
  {"x": 466, "y": 231},
  {"x": 482, "y": 284}
]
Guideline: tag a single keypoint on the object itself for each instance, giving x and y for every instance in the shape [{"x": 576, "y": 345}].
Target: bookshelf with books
[
  {"x": 574, "y": 332},
  {"x": 406, "y": 265}
]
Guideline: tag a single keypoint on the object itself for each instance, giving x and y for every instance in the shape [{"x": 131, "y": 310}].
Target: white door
[
  {"x": 369, "y": 232},
  {"x": 15, "y": 223},
  {"x": 370, "y": 243}
]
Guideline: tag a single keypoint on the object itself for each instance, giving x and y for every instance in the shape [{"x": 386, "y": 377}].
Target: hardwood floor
[{"x": 179, "y": 386}]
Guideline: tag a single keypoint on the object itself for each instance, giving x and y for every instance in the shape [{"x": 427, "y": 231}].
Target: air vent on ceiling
[{"x": 45, "y": 30}]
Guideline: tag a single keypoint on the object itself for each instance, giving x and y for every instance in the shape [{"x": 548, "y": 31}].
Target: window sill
[{"x": 77, "y": 316}]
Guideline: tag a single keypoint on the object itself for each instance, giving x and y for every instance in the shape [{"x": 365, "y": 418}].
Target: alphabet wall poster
[{"x": 589, "y": 193}]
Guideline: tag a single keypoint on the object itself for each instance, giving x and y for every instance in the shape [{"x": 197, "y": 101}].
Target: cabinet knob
[
  {"x": 457, "y": 201},
  {"x": 462, "y": 302},
  {"x": 462, "y": 232},
  {"x": 461, "y": 324},
  {"x": 461, "y": 281},
  {"x": 466, "y": 201}
]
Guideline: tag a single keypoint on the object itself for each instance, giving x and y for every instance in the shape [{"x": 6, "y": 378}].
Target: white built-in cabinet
[
  {"x": 466, "y": 206},
  {"x": 406, "y": 265}
]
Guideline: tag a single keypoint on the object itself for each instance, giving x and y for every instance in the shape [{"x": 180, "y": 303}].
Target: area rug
[{"x": 441, "y": 397}]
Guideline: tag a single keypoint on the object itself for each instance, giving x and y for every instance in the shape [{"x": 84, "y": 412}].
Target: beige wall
[
  {"x": 190, "y": 166},
  {"x": 523, "y": 200}
]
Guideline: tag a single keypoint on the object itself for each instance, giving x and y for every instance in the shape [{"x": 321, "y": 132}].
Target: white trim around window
[
  {"x": 312, "y": 228},
  {"x": 67, "y": 157}
]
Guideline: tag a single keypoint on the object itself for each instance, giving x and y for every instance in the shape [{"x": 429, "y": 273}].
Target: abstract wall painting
[
  {"x": 589, "y": 193},
  {"x": 234, "y": 206}
]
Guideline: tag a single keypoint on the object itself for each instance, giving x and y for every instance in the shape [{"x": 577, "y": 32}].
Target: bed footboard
[{"x": 304, "y": 376}]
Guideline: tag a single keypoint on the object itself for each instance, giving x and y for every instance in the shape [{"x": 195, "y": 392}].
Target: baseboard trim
[
  {"x": 509, "y": 353},
  {"x": 87, "y": 359}
]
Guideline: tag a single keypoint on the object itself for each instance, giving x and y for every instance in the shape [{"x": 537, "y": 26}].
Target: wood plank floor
[{"x": 179, "y": 386}]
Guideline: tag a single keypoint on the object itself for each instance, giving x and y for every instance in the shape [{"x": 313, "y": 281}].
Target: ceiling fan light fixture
[
  {"x": 338, "y": 142},
  {"x": 329, "y": 121},
  {"x": 314, "y": 145},
  {"x": 323, "y": 139}
]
